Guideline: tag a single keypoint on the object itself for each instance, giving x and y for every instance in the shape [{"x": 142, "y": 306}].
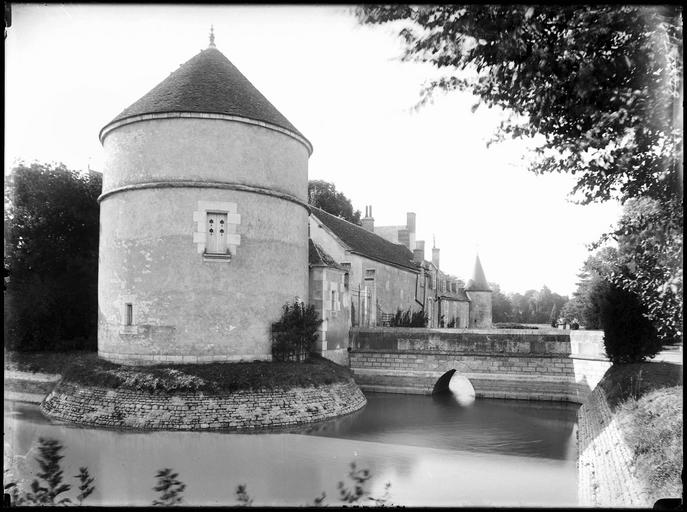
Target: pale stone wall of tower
[
  {"x": 187, "y": 308},
  {"x": 480, "y": 309}
]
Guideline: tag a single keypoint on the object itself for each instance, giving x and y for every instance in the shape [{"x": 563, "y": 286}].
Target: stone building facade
[
  {"x": 382, "y": 275},
  {"x": 205, "y": 233},
  {"x": 203, "y": 219}
]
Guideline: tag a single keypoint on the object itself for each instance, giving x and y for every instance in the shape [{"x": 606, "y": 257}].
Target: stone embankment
[
  {"x": 604, "y": 461},
  {"x": 238, "y": 410},
  {"x": 544, "y": 364}
]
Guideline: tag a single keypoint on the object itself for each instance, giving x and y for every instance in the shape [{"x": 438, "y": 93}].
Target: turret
[
  {"x": 479, "y": 293},
  {"x": 203, "y": 219}
]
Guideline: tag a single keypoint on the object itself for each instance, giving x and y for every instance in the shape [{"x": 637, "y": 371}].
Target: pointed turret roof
[
  {"x": 208, "y": 83},
  {"x": 478, "y": 282}
]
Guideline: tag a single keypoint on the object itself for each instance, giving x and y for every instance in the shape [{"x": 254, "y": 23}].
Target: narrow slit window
[{"x": 129, "y": 314}]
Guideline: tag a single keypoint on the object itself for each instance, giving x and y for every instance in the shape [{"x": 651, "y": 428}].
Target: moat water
[{"x": 434, "y": 450}]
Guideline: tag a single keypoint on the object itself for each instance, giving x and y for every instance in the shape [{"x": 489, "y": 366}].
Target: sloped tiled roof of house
[
  {"x": 365, "y": 243},
  {"x": 208, "y": 83},
  {"x": 318, "y": 257},
  {"x": 458, "y": 295}
]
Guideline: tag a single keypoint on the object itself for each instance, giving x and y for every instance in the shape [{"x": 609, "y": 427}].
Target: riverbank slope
[{"x": 630, "y": 437}]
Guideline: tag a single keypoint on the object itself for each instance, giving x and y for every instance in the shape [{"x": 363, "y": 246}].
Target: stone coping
[
  {"x": 99, "y": 407},
  {"x": 455, "y": 330}
]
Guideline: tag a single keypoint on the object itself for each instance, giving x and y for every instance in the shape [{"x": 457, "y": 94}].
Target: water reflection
[
  {"x": 433, "y": 450},
  {"x": 511, "y": 427}
]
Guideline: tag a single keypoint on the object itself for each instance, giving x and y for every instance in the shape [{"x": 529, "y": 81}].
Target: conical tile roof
[
  {"x": 208, "y": 83},
  {"x": 478, "y": 282}
]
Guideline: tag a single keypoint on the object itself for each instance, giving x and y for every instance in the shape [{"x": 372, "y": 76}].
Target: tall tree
[
  {"x": 501, "y": 308},
  {"x": 52, "y": 225},
  {"x": 602, "y": 86},
  {"x": 648, "y": 263},
  {"x": 324, "y": 195}
]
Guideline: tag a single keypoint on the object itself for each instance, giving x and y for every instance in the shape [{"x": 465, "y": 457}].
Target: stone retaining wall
[
  {"x": 239, "y": 410},
  {"x": 604, "y": 462},
  {"x": 508, "y": 363}
]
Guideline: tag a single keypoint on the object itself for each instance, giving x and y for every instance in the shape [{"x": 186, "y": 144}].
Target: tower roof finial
[{"x": 212, "y": 37}]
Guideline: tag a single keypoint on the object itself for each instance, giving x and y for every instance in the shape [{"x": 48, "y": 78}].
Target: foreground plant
[
  {"x": 170, "y": 488},
  {"x": 49, "y": 489}
]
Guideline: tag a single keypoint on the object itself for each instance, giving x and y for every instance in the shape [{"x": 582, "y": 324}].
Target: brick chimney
[
  {"x": 419, "y": 251},
  {"x": 410, "y": 222},
  {"x": 368, "y": 221},
  {"x": 435, "y": 255}
]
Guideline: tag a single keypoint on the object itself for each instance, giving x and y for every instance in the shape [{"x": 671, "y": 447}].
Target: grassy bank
[
  {"x": 87, "y": 369},
  {"x": 646, "y": 401},
  {"x": 45, "y": 362}
]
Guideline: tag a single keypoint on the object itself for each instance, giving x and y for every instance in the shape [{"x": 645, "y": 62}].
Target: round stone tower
[
  {"x": 203, "y": 220},
  {"x": 479, "y": 293}
]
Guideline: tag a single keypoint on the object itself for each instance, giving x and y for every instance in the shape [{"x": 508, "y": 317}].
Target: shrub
[
  {"x": 452, "y": 322},
  {"x": 294, "y": 334},
  {"x": 629, "y": 337},
  {"x": 409, "y": 318}
]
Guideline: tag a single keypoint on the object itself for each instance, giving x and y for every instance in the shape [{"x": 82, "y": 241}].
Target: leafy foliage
[
  {"x": 48, "y": 489},
  {"x": 601, "y": 88},
  {"x": 86, "y": 486},
  {"x": 501, "y": 307},
  {"x": 243, "y": 497},
  {"x": 324, "y": 195},
  {"x": 593, "y": 286},
  {"x": 629, "y": 337},
  {"x": 294, "y": 334},
  {"x": 599, "y": 83},
  {"x": 358, "y": 491},
  {"x": 534, "y": 307},
  {"x": 409, "y": 318},
  {"x": 170, "y": 488},
  {"x": 648, "y": 262},
  {"x": 52, "y": 218}
]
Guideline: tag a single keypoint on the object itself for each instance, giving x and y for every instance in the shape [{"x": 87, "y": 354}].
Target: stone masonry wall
[
  {"x": 500, "y": 364},
  {"x": 604, "y": 462},
  {"x": 239, "y": 410}
]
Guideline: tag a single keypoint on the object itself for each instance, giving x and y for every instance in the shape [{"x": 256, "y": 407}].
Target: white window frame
[{"x": 233, "y": 220}]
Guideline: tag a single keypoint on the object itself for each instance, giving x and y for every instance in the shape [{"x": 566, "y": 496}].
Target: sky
[{"x": 70, "y": 69}]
